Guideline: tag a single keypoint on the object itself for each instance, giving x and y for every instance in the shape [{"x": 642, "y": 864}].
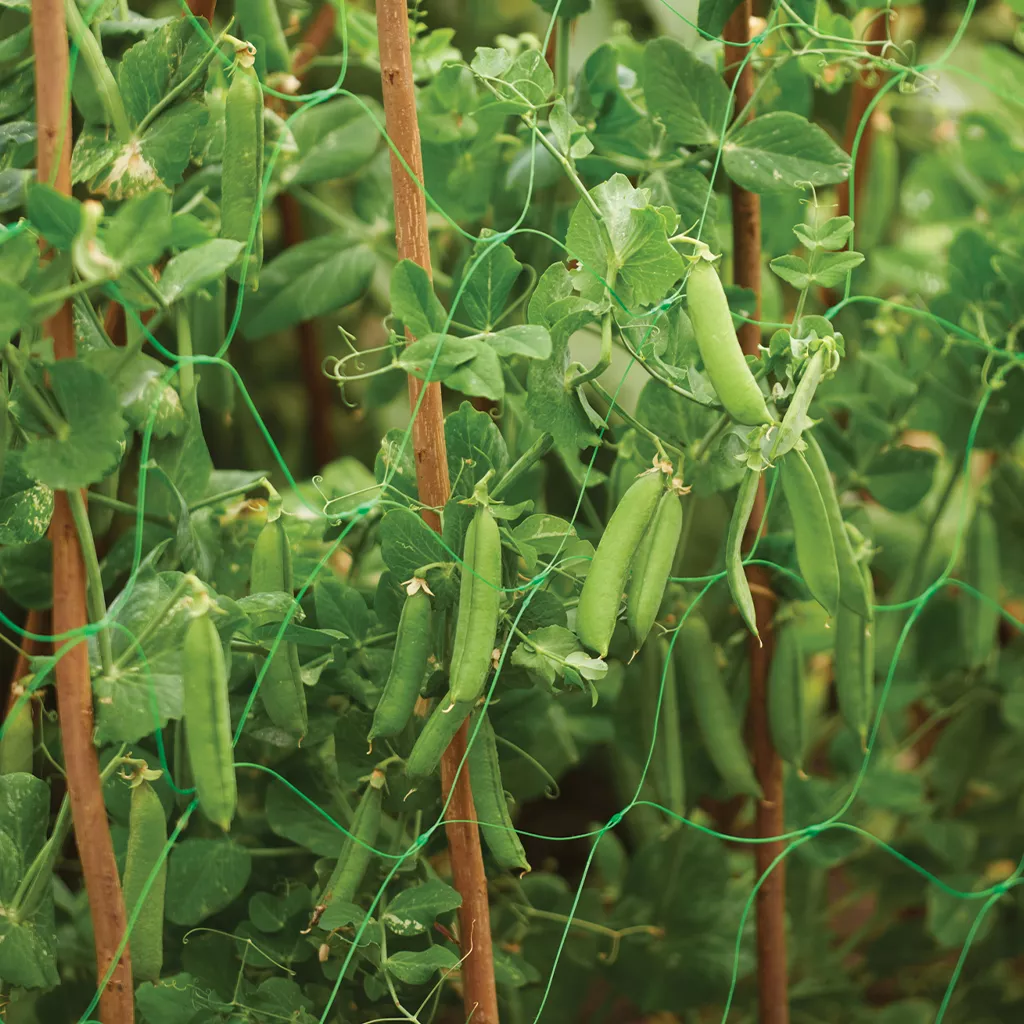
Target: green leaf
[
  {"x": 417, "y": 968},
  {"x": 475, "y": 447},
  {"x": 569, "y": 136},
  {"x": 524, "y": 84},
  {"x": 792, "y": 269},
  {"x": 526, "y": 340},
  {"x": 489, "y": 276},
  {"x": 25, "y": 506},
  {"x": 335, "y": 140},
  {"x": 203, "y": 877},
  {"x": 949, "y": 918},
  {"x": 413, "y": 300},
  {"x": 307, "y": 281},
  {"x": 191, "y": 270},
  {"x": 406, "y": 543},
  {"x": 689, "y": 97},
  {"x": 545, "y": 652},
  {"x": 688, "y": 192},
  {"x": 140, "y": 231},
  {"x": 782, "y": 150},
  {"x": 167, "y": 1001},
  {"x": 900, "y": 478},
  {"x": 713, "y": 14},
  {"x": 482, "y": 375},
  {"x": 435, "y": 357},
  {"x": 57, "y": 217},
  {"x": 414, "y": 910},
  {"x": 832, "y": 234},
  {"x": 26, "y": 574},
  {"x": 341, "y": 608},
  {"x": 270, "y": 912},
  {"x": 832, "y": 267},
  {"x": 630, "y": 241},
  {"x": 95, "y": 430},
  {"x": 14, "y": 186},
  {"x": 291, "y": 818},
  {"x": 142, "y": 390},
  {"x": 15, "y": 310}
]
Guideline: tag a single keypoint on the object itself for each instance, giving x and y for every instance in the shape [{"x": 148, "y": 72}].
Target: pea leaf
[
  {"x": 900, "y": 478},
  {"x": 688, "y": 96},
  {"x": 306, "y": 281},
  {"x": 192, "y": 269},
  {"x": 782, "y": 150},
  {"x": 435, "y": 357},
  {"x": 92, "y": 445},
  {"x": 142, "y": 391},
  {"x": 630, "y": 241},
  {"x": 482, "y": 375},
  {"x": 14, "y": 185},
  {"x": 527, "y": 340},
  {"x": 792, "y": 269},
  {"x": 25, "y": 506},
  {"x": 417, "y": 968},
  {"x": 56, "y": 216},
  {"x": 414, "y": 910},
  {"x": 713, "y": 14},
  {"x": 413, "y": 300},
  {"x": 341, "y": 608},
  {"x": 475, "y": 447},
  {"x": 524, "y": 83},
  {"x": 549, "y": 652},
  {"x": 168, "y": 1000},
  {"x": 832, "y": 234},
  {"x": 688, "y": 192},
  {"x": 569, "y": 135},
  {"x": 489, "y": 276},
  {"x": 335, "y": 139},
  {"x": 203, "y": 877},
  {"x": 407, "y": 543},
  {"x": 291, "y": 818}
]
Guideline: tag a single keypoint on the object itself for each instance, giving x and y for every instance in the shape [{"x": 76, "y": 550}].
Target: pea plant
[{"x": 512, "y": 520}]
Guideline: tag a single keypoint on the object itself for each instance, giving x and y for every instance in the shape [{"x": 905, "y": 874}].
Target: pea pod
[
  {"x": 661, "y": 697},
  {"x": 795, "y": 420},
  {"x": 719, "y": 346},
  {"x": 853, "y": 669},
  {"x": 242, "y": 171},
  {"x": 479, "y": 607},
  {"x": 208, "y": 324},
  {"x": 601, "y": 596},
  {"x": 356, "y": 854},
  {"x": 851, "y": 580},
  {"x": 412, "y": 647},
  {"x": 282, "y": 690},
  {"x": 438, "y": 731},
  {"x": 786, "y": 716},
  {"x": 653, "y": 565},
  {"x": 147, "y": 836},
  {"x": 17, "y": 744},
  {"x": 491, "y": 806},
  {"x": 815, "y": 549},
  {"x": 712, "y": 706},
  {"x": 981, "y": 570},
  {"x": 734, "y": 571},
  {"x": 262, "y": 27},
  {"x": 208, "y": 721}
]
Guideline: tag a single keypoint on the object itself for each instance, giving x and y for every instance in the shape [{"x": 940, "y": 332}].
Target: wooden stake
[
  {"x": 74, "y": 688},
  {"x": 772, "y": 983},
  {"x": 479, "y": 992}
]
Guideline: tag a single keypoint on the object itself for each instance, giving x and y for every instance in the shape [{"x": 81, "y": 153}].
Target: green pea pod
[
  {"x": 208, "y": 721},
  {"x": 981, "y": 570},
  {"x": 853, "y": 669},
  {"x": 851, "y": 580},
  {"x": 479, "y": 608},
  {"x": 356, "y": 854},
  {"x": 17, "y": 744},
  {"x": 262, "y": 27},
  {"x": 712, "y": 706},
  {"x": 719, "y": 346},
  {"x": 102, "y": 516},
  {"x": 408, "y": 666},
  {"x": 438, "y": 731},
  {"x": 653, "y": 566},
  {"x": 815, "y": 549},
  {"x": 208, "y": 323},
  {"x": 147, "y": 836},
  {"x": 282, "y": 690},
  {"x": 661, "y": 700},
  {"x": 242, "y": 173},
  {"x": 734, "y": 571},
  {"x": 795, "y": 420},
  {"x": 786, "y": 716},
  {"x": 491, "y": 806},
  {"x": 601, "y": 596}
]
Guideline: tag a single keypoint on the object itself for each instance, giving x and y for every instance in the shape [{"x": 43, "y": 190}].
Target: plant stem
[
  {"x": 53, "y": 420},
  {"x": 563, "y": 37},
  {"x": 186, "y": 369},
  {"x": 631, "y": 420},
  {"x": 234, "y": 492},
  {"x": 772, "y": 977},
  {"x": 480, "y": 997},
  {"x": 129, "y": 510},
  {"x": 101, "y": 75},
  {"x": 605, "y": 359},
  {"x": 524, "y": 464},
  {"x": 73, "y": 684},
  {"x": 93, "y": 579}
]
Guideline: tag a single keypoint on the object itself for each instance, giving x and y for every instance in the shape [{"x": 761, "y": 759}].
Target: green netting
[{"x": 901, "y": 75}]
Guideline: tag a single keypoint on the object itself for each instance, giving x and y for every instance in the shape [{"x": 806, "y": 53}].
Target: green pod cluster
[
  {"x": 980, "y": 619},
  {"x": 356, "y": 854},
  {"x": 17, "y": 744},
  {"x": 734, "y": 571},
  {"x": 661, "y": 703},
  {"x": 147, "y": 836},
  {"x": 438, "y": 731},
  {"x": 489, "y": 799},
  {"x": 853, "y": 670},
  {"x": 719, "y": 346},
  {"x": 787, "y": 718},
  {"x": 712, "y": 706},
  {"x": 851, "y": 579},
  {"x": 479, "y": 608},
  {"x": 282, "y": 690},
  {"x": 653, "y": 566},
  {"x": 261, "y": 25},
  {"x": 408, "y": 666},
  {"x": 601, "y": 596},
  {"x": 208, "y": 721},
  {"x": 815, "y": 549},
  {"x": 242, "y": 175}
]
